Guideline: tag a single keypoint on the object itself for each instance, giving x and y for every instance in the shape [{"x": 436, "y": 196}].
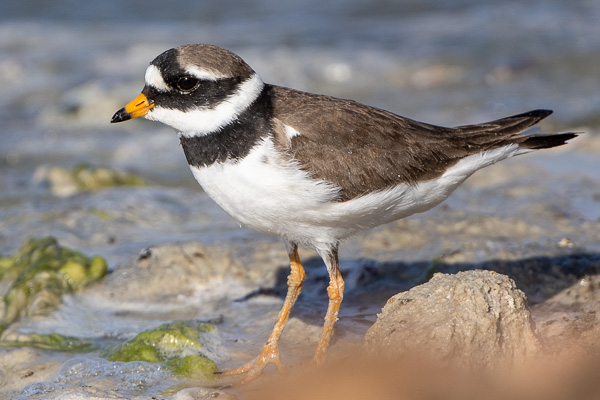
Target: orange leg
[
  {"x": 270, "y": 351},
  {"x": 335, "y": 290}
]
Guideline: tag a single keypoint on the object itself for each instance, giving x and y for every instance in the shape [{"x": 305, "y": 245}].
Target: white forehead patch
[
  {"x": 203, "y": 121},
  {"x": 204, "y": 74},
  {"x": 154, "y": 78}
]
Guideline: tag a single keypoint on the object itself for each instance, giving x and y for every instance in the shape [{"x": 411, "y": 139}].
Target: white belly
[{"x": 272, "y": 195}]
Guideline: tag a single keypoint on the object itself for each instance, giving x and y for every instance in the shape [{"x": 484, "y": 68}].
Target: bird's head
[{"x": 197, "y": 89}]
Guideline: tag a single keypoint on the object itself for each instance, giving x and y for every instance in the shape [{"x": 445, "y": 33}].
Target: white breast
[
  {"x": 272, "y": 195},
  {"x": 267, "y": 193}
]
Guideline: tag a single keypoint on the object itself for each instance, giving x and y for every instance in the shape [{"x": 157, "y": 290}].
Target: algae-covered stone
[
  {"x": 6, "y": 264},
  {"x": 75, "y": 273},
  {"x": 51, "y": 341},
  {"x": 89, "y": 178},
  {"x": 180, "y": 345},
  {"x": 97, "y": 268},
  {"x": 83, "y": 177},
  {"x": 192, "y": 366},
  {"x": 136, "y": 351},
  {"x": 41, "y": 272}
]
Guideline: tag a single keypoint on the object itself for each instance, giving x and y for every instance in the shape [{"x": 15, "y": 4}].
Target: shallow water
[{"x": 66, "y": 67}]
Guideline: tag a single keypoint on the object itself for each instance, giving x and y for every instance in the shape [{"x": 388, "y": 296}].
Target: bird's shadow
[{"x": 370, "y": 283}]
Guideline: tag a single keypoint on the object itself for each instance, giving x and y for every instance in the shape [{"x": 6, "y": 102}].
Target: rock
[
  {"x": 570, "y": 317},
  {"x": 187, "y": 267},
  {"x": 472, "y": 318}
]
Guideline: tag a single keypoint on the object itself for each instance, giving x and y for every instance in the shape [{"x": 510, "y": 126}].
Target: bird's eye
[{"x": 187, "y": 83}]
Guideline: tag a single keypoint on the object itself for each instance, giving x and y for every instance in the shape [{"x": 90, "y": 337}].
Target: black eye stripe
[
  {"x": 174, "y": 81},
  {"x": 207, "y": 93}
]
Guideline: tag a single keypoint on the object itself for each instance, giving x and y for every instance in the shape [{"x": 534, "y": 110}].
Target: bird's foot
[{"x": 253, "y": 368}]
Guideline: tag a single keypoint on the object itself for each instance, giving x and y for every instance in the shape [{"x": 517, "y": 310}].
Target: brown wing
[{"x": 361, "y": 148}]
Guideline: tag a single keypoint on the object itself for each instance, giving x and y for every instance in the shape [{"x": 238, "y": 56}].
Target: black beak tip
[{"x": 120, "y": 116}]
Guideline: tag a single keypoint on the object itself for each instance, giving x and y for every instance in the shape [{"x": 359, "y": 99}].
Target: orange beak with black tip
[{"x": 138, "y": 107}]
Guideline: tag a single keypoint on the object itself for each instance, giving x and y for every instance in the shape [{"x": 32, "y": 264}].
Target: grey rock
[
  {"x": 473, "y": 318},
  {"x": 171, "y": 270}
]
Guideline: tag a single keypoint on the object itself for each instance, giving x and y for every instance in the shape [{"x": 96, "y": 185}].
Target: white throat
[{"x": 203, "y": 121}]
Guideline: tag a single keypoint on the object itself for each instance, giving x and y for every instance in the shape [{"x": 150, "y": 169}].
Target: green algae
[
  {"x": 51, "y": 341},
  {"x": 192, "y": 366},
  {"x": 40, "y": 274},
  {"x": 136, "y": 351},
  {"x": 101, "y": 214},
  {"x": 89, "y": 178},
  {"x": 6, "y": 263},
  {"x": 179, "y": 345},
  {"x": 83, "y": 177}
]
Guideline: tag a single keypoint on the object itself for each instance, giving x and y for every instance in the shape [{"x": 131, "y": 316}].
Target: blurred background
[{"x": 67, "y": 66}]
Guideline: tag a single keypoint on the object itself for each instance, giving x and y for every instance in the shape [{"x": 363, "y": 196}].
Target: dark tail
[
  {"x": 546, "y": 140},
  {"x": 508, "y": 125},
  {"x": 506, "y": 131}
]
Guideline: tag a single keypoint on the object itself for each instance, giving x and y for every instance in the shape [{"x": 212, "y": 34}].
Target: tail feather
[
  {"x": 545, "y": 141},
  {"x": 508, "y": 125},
  {"x": 506, "y": 131}
]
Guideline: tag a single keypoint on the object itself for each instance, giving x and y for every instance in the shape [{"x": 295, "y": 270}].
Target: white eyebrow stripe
[
  {"x": 154, "y": 78},
  {"x": 204, "y": 74}
]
